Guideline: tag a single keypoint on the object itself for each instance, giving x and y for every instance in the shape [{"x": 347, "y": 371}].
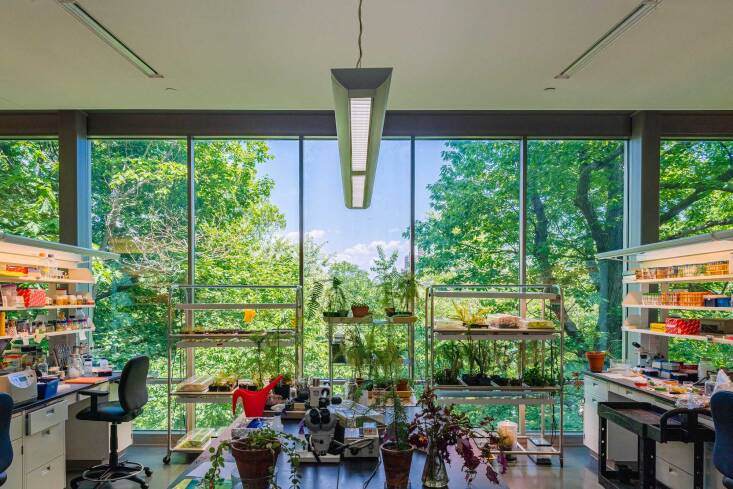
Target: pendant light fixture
[{"x": 360, "y": 97}]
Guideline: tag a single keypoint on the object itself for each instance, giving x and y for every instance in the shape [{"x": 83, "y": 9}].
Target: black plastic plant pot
[{"x": 283, "y": 390}]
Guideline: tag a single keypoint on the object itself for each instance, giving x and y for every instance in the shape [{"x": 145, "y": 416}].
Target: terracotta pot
[
  {"x": 359, "y": 311},
  {"x": 595, "y": 360},
  {"x": 389, "y": 311},
  {"x": 396, "y": 466},
  {"x": 402, "y": 385},
  {"x": 255, "y": 466}
]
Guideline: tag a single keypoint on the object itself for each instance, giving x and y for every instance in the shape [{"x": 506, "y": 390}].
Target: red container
[
  {"x": 682, "y": 326},
  {"x": 33, "y": 297}
]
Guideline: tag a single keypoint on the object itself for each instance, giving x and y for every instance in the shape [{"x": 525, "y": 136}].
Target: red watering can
[{"x": 253, "y": 402}]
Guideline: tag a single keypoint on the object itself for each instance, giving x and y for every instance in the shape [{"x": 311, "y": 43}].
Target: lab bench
[
  {"x": 46, "y": 437},
  {"x": 674, "y": 460}
]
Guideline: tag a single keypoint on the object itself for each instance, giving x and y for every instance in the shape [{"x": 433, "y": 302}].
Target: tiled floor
[{"x": 578, "y": 473}]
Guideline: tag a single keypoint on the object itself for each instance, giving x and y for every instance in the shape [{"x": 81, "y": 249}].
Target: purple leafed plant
[{"x": 444, "y": 427}]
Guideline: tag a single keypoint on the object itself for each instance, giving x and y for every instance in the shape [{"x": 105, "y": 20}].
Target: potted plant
[
  {"x": 256, "y": 456},
  {"x": 335, "y": 298},
  {"x": 359, "y": 309},
  {"x": 406, "y": 286},
  {"x": 437, "y": 428},
  {"x": 357, "y": 356},
  {"x": 385, "y": 278},
  {"x": 596, "y": 358},
  {"x": 451, "y": 357},
  {"x": 396, "y": 448}
]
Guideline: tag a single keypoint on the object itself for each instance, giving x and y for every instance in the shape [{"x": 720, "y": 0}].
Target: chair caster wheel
[
  {"x": 149, "y": 472},
  {"x": 143, "y": 486},
  {"x": 167, "y": 459}
]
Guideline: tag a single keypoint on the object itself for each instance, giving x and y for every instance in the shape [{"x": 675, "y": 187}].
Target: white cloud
[{"x": 364, "y": 254}]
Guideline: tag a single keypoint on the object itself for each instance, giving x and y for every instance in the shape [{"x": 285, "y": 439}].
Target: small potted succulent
[
  {"x": 359, "y": 309},
  {"x": 256, "y": 456},
  {"x": 436, "y": 428}
]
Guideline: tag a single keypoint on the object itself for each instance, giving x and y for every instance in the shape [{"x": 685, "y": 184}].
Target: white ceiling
[{"x": 276, "y": 54}]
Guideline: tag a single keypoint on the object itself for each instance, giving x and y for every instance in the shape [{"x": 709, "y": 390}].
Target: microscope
[{"x": 327, "y": 440}]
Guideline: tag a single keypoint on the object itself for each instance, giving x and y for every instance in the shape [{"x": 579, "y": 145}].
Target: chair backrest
[
  {"x": 133, "y": 384},
  {"x": 721, "y": 404},
  {"x": 6, "y": 448}
]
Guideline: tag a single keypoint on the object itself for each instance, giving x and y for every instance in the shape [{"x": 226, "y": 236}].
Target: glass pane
[
  {"x": 247, "y": 217},
  {"x": 356, "y": 245},
  {"x": 466, "y": 218},
  {"x": 695, "y": 187},
  {"x": 30, "y": 184},
  {"x": 575, "y": 210},
  {"x": 139, "y": 203},
  {"x": 696, "y": 197}
]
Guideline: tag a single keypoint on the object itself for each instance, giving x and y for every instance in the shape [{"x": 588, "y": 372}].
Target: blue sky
[{"x": 349, "y": 234}]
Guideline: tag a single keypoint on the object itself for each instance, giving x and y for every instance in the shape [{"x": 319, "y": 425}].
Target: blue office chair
[
  {"x": 133, "y": 394},
  {"x": 721, "y": 404},
  {"x": 6, "y": 448}
]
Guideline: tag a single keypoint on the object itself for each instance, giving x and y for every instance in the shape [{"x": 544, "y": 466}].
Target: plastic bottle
[
  {"x": 277, "y": 423},
  {"x": 53, "y": 271},
  {"x": 44, "y": 266}
]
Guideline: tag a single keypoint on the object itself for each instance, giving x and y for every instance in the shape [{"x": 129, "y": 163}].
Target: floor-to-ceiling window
[
  {"x": 29, "y": 182},
  {"x": 575, "y": 209},
  {"x": 359, "y": 247},
  {"x": 139, "y": 203},
  {"x": 467, "y": 232},
  {"x": 696, "y": 197},
  {"x": 247, "y": 215}
]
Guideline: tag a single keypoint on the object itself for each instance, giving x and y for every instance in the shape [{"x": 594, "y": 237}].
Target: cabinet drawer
[
  {"x": 596, "y": 388},
  {"x": 44, "y": 446},
  {"x": 44, "y": 418},
  {"x": 629, "y": 393},
  {"x": 672, "y": 476},
  {"x": 680, "y": 455},
  {"x": 16, "y": 426},
  {"x": 51, "y": 475}
]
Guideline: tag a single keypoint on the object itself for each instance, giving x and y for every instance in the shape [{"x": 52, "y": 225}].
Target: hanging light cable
[{"x": 360, "y": 103}]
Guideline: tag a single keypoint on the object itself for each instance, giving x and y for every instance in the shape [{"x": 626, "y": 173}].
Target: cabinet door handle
[{"x": 50, "y": 412}]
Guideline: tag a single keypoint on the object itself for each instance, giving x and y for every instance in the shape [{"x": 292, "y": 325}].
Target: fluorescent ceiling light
[
  {"x": 360, "y": 114},
  {"x": 357, "y": 191},
  {"x": 642, "y": 10},
  {"x": 360, "y": 96},
  {"x": 107, "y": 36}
]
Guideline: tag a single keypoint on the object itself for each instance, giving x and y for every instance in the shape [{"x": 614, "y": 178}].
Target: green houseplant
[
  {"x": 256, "y": 456},
  {"x": 335, "y": 305},
  {"x": 407, "y": 291},
  {"x": 396, "y": 448}
]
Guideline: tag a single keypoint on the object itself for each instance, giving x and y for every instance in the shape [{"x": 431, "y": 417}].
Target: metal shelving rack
[
  {"x": 188, "y": 340},
  {"x": 520, "y": 396},
  {"x": 694, "y": 250},
  {"x": 408, "y": 321}
]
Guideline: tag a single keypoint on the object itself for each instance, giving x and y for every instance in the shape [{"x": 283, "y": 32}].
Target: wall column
[
  {"x": 642, "y": 209},
  {"x": 75, "y": 179}
]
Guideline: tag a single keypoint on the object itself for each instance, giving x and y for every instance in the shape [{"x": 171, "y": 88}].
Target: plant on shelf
[
  {"x": 396, "y": 448},
  {"x": 385, "y": 278},
  {"x": 468, "y": 316},
  {"x": 336, "y": 304},
  {"x": 437, "y": 428},
  {"x": 357, "y": 356},
  {"x": 359, "y": 309},
  {"x": 256, "y": 457},
  {"x": 407, "y": 291},
  {"x": 450, "y": 354}
]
